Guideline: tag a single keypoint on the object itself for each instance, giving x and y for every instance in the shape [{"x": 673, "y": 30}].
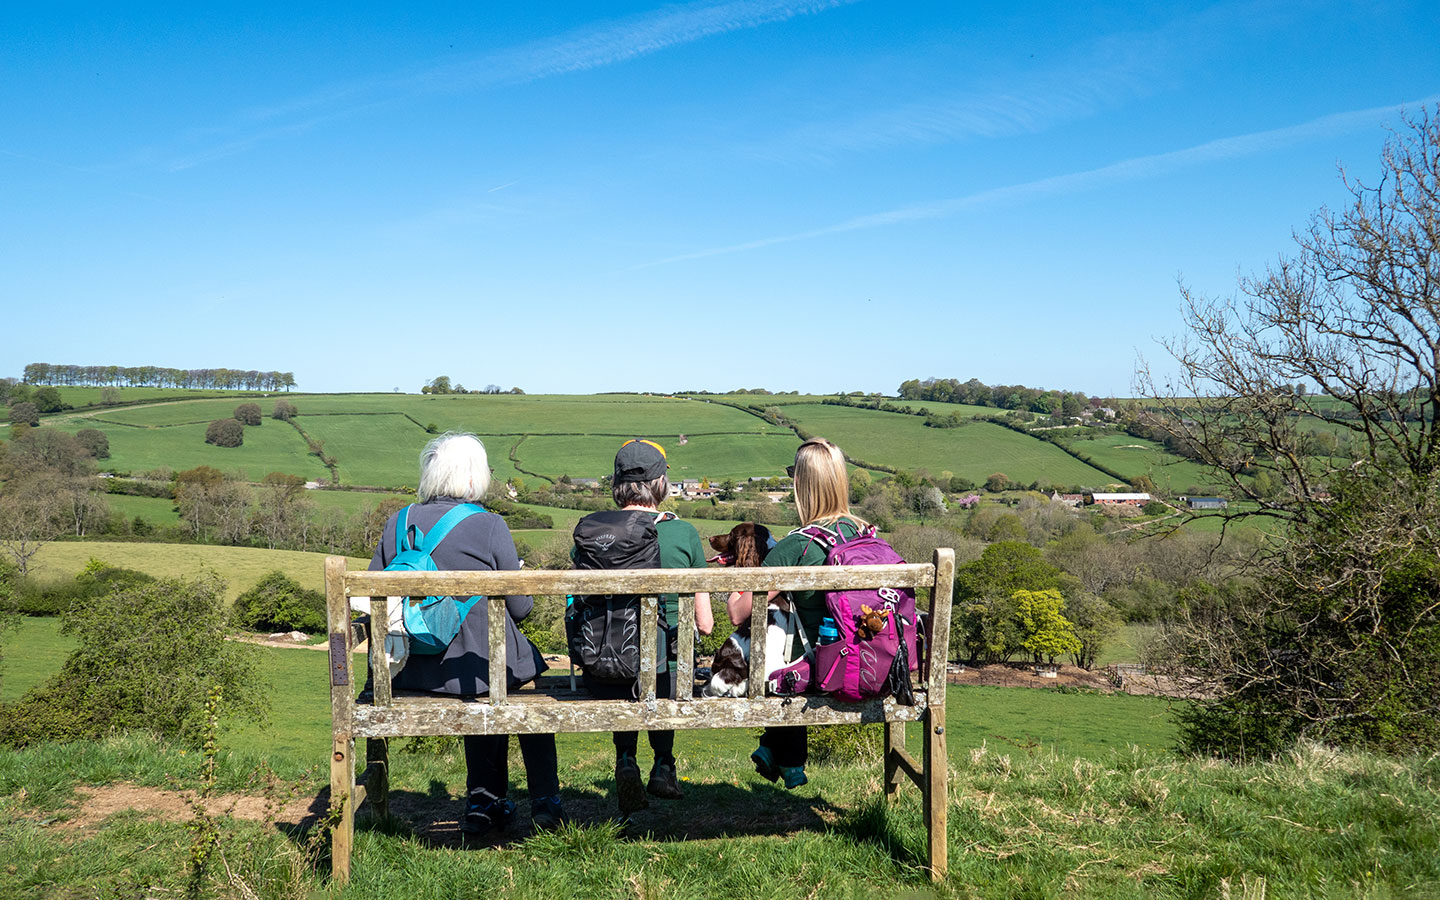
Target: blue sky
[{"x": 581, "y": 197}]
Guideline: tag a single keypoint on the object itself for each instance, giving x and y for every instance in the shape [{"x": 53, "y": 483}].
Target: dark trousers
[
  {"x": 627, "y": 743},
  {"x": 789, "y": 744},
  {"x": 487, "y": 764}
]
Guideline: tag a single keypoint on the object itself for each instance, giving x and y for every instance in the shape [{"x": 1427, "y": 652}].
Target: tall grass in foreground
[{"x": 1135, "y": 823}]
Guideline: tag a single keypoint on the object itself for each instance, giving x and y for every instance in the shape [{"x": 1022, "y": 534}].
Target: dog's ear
[{"x": 746, "y": 551}]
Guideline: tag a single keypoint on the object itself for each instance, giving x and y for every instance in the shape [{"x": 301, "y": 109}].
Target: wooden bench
[{"x": 554, "y": 706}]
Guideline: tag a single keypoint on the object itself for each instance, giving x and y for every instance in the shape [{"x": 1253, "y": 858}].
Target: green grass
[
  {"x": 382, "y": 450},
  {"x": 157, "y": 510},
  {"x": 713, "y": 456},
  {"x": 1125, "y": 646},
  {"x": 1132, "y": 457},
  {"x": 241, "y": 566},
  {"x": 271, "y": 447},
  {"x": 973, "y": 451},
  {"x": 945, "y": 409}
]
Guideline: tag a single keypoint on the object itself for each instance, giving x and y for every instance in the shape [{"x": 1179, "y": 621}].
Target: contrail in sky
[
  {"x": 1134, "y": 169},
  {"x": 578, "y": 50}
]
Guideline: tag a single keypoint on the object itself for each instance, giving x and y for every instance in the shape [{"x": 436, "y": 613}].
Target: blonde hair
[
  {"x": 822, "y": 484},
  {"x": 454, "y": 465}
]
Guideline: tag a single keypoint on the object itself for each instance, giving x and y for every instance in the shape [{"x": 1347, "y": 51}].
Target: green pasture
[
  {"x": 491, "y": 414},
  {"x": 973, "y": 451},
  {"x": 156, "y": 510},
  {"x": 375, "y": 450},
  {"x": 713, "y": 456},
  {"x": 180, "y": 412},
  {"x": 240, "y": 566},
  {"x": 271, "y": 447},
  {"x": 1132, "y": 457}
]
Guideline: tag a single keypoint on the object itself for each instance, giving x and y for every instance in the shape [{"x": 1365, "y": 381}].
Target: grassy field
[
  {"x": 271, "y": 447},
  {"x": 1132, "y": 457},
  {"x": 973, "y": 451},
  {"x": 241, "y": 566},
  {"x": 375, "y": 438},
  {"x": 1051, "y": 795}
]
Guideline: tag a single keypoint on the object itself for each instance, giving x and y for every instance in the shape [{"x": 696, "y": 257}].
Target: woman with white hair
[{"x": 454, "y": 469}]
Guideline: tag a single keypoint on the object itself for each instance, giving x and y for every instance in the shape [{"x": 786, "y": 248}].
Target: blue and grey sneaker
[
  {"x": 794, "y": 776},
  {"x": 485, "y": 812},
  {"x": 765, "y": 763},
  {"x": 546, "y": 813}
]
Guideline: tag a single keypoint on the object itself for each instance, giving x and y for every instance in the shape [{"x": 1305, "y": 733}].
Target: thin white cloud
[
  {"x": 578, "y": 50},
  {"x": 1029, "y": 95},
  {"x": 1138, "y": 168}
]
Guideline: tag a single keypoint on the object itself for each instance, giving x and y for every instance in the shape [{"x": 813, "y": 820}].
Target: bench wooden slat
[
  {"x": 638, "y": 581},
  {"x": 437, "y": 715}
]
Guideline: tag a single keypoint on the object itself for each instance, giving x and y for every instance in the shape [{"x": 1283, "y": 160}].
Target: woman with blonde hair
[{"x": 822, "y": 498}]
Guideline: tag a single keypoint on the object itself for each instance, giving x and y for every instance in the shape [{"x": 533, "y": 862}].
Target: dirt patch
[
  {"x": 1024, "y": 675},
  {"x": 100, "y": 803}
]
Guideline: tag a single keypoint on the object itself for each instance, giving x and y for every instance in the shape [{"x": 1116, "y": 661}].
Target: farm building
[
  {"x": 1207, "y": 502},
  {"x": 1117, "y": 499}
]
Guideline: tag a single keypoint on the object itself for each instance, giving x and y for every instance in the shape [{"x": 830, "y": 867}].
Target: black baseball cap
[{"x": 638, "y": 461}]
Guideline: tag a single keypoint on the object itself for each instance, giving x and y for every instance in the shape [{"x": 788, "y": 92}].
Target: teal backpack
[{"x": 430, "y": 622}]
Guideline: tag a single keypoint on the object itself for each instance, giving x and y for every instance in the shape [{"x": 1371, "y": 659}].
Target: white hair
[{"x": 454, "y": 465}]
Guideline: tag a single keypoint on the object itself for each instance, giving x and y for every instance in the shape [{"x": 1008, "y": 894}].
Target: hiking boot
[
  {"x": 663, "y": 782},
  {"x": 546, "y": 813},
  {"x": 794, "y": 776},
  {"x": 484, "y": 813},
  {"x": 765, "y": 763},
  {"x": 628, "y": 785}
]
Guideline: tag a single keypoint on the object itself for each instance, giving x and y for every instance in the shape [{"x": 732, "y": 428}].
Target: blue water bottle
[{"x": 829, "y": 634}]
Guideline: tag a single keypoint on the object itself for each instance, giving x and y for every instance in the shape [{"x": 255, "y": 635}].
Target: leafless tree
[{"x": 1337, "y": 636}]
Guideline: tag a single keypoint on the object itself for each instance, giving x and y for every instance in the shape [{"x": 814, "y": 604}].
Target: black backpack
[{"x": 603, "y": 630}]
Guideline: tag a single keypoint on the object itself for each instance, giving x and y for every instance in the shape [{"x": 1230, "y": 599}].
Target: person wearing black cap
[{"x": 640, "y": 485}]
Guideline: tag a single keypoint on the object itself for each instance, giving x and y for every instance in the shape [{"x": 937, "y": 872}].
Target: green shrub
[
  {"x": 845, "y": 744},
  {"x": 248, "y": 414},
  {"x": 545, "y": 626},
  {"x": 225, "y": 433},
  {"x": 145, "y": 660},
  {"x": 53, "y": 597},
  {"x": 278, "y": 603}
]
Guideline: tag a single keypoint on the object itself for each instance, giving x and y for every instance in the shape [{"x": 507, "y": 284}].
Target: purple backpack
[{"x": 863, "y": 663}]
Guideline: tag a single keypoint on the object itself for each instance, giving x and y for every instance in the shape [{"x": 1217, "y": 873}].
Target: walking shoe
[
  {"x": 765, "y": 763},
  {"x": 794, "y": 776},
  {"x": 484, "y": 813},
  {"x": 663, "y": 782},
  {"x": 546, "y": 813},
  {"x": 628, "y": 785}
]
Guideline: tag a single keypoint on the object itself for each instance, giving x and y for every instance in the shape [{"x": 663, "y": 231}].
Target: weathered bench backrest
[{"x": 341, "y": 584}]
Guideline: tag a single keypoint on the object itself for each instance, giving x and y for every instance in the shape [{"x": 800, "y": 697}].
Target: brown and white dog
[{"x": 746, "y": 545}]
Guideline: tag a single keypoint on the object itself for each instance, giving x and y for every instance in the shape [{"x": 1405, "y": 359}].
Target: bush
[
  {"x": 278, "y": 603},
  {"x": 545, "y": 626},
  {"x": 225, "y": 433},
  {"x": 24, "y": 413},
  {"x": 845, "y": 744},
  {"x": 284, "y": 411},
  {"x": 146, "y": 660},
  {"x": 248, "y": 414},
  {"x": 94, "y": 440},
  {"x": 33, "y": 597}
]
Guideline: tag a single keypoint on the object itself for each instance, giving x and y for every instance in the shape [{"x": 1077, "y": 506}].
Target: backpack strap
[
  {"x": 402, "y": 531},
  {"x": 448, "y": 521}
]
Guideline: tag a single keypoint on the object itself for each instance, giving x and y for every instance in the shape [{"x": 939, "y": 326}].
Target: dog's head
[{"x": 745, "y": 545}]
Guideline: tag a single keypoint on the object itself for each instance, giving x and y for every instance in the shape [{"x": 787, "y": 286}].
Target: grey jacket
[{"x": 481, "y": 542}]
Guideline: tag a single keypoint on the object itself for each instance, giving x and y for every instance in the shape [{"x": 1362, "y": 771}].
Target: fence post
[
  {"x": 759, "y": 623},
  {"x": 685, "y": 651},
  {"x": 937, "y": 761},
  {"x": 342, "y": 701},
  {"x": 649, "y": 610}
]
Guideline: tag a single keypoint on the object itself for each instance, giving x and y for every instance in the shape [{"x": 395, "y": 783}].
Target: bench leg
[
  {"x": 937, "y": 792},
  {"x": 377, "y": 776},
  {"x": 342, "y": 797},
  {"x": 894, "y": 740}
]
